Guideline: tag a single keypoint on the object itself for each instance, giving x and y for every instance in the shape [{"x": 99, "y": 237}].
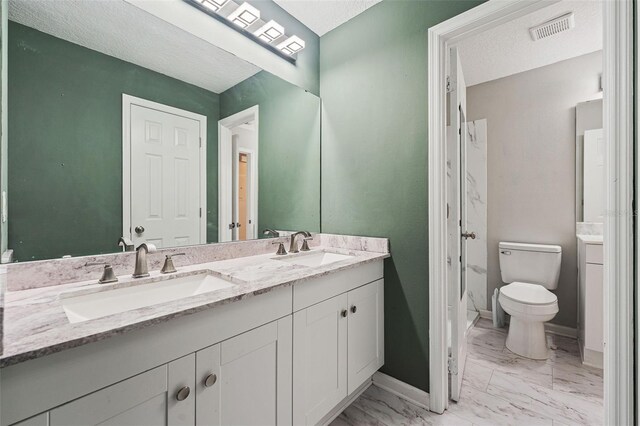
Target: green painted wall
[
  {"x": 288, "y": 150},
  {"x": 374, "y": 158},
  {"x": 65, "y": 122}
]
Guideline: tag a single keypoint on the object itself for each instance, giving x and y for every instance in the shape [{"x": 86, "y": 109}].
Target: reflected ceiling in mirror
[{"x": 121, "y": 125}]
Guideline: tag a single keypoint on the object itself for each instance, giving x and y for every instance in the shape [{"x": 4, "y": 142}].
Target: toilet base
[{"x": 527, "y": 339}]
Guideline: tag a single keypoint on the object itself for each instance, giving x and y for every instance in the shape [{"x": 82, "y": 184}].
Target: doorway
[
  {"x": 238, "y": 137},
  {"x": 619, "y": 244},
  {"x": 164, "y": 174}
]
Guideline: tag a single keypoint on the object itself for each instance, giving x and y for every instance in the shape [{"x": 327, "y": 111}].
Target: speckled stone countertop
[{"x": 35, "y": 323}]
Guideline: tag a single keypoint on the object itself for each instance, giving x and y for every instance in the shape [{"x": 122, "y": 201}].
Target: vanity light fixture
[
  {"x": 214, "y": 5},
  {"x": 245, "y": 18},
  {"x": 292, "y": 45},
  {"x": 244, "y": 15},
  {"x": 270, "y": 31}
]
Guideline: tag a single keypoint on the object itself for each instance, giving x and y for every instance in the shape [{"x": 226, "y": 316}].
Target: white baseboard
[
  {"x": 561, "y": 330},
  {"x": 486, "y": 314},
  {"x": 403, "y": 390}
]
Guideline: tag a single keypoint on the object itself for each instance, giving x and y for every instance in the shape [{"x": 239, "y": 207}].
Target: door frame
[
  {"x": 225, "y": 170},
  {"x": 127, "y": 102},
  {"x": 619, "y": 225},
  {"x": 252, "y": 171}
]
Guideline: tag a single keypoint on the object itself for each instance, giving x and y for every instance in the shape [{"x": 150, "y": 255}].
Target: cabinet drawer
[
  {"x": 594, "y": 253},
  {"x": 315, "y": 291}
]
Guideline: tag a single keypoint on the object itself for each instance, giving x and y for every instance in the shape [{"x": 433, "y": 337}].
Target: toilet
[{"x": 531, "y": 271}]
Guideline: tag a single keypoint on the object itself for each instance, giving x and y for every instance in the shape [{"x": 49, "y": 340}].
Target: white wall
[{"x": 531, "y": 162}]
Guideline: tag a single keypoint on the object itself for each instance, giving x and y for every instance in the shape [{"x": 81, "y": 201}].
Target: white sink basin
[
  {"x": 318, "y": 258},
  {"x": 102, "y": 303}
]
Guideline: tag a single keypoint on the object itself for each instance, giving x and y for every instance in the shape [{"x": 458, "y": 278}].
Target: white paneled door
[
  {"x": 166, "y": 177},
  {"x": 457, "y": 226}
]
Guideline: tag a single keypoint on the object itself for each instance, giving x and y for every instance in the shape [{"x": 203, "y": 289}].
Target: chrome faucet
[
  {"x": 293, "y": 247},
  {"x": 142, "y": 270},
  {"x": 270, "y": 233}
]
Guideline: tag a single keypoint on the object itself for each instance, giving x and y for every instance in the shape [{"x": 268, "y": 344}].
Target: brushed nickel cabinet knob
[
  {"x": 210, "y": 380},
  {"x": 183, "y": 393}
]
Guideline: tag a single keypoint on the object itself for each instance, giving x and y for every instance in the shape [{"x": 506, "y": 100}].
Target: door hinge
[
  {"x": 452, "y": 366},
  {"x": 200, "y": 211},
  {"x": 200, "y": 142},
  {"x": 448, "y": 85}
]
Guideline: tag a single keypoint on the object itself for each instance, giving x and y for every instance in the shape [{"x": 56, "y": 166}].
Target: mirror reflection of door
[
  {"x": 238, "y": 156},
  {"x": 164, "y": 180}
]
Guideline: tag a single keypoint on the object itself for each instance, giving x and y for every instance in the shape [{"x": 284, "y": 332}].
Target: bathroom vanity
[
  {"x": 275, "y": 340},
  {"x": 591, "y": 299}
]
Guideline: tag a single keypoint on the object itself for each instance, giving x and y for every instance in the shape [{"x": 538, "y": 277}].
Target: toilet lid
[{"x": 530, "y": 294}]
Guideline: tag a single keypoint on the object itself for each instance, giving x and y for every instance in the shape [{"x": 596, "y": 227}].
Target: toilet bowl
[
  {"x": 531, "y": 271},
  {"x": 530, "y": 306}
]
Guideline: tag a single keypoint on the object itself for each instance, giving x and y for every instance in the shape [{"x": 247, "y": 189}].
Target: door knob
[
  {"x": 139, "y": 229},
  {"x": 344, "y": 313},
  {"x": 471, "y": 235},
  {"x": 353, "y": 309}
]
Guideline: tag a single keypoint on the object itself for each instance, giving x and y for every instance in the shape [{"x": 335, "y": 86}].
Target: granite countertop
[
  {"x": 591, "y": 239},
  {"x": 35, "y": 323}
]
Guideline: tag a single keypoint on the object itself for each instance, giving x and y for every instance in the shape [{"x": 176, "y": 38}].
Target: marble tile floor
[{"x": 499, "y": 388}]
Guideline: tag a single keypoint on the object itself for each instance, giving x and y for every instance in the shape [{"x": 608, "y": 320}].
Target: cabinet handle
[
  {"x": 210, "y": 380},
  {"x": 183, "y": 393},
  {"x": 354, "y": 309},
  {"x": 344, "y": 313}
]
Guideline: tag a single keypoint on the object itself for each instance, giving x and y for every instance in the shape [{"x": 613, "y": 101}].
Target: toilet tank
[{"x": 530, "y": 263}]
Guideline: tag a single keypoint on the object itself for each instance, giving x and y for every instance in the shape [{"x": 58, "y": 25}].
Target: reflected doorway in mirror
[
  {"x": 238, "y": 176},
  {"x": 164, "y": 174}
]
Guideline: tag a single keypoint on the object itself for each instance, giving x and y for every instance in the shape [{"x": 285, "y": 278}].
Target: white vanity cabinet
[
  {"x": 290, "y": 356},
  {"x": 338, "y": 345},
  {"x": 591, "y": 300}
]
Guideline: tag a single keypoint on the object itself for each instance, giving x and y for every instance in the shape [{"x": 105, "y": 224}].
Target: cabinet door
[
  {"x": 150, "y": 398},
  {"x": 594, "y": 309},
  {"x": 249, "y": 378},
  {"x": 181, "y": 401},
  {"x": 319, "y": 359},
  {"x": 140, "y": 400},
  {"x": 366, "y": 333}
]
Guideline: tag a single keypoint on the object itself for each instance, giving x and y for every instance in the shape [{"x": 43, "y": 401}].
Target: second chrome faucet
[{"x": 142, "y": 269}]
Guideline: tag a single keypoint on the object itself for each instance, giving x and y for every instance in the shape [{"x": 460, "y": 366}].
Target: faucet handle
[
  {"x": 281, "y": 251},
  {"x": 305, "y": 245},
  {"x": 108, "y": 276},
  {"x": 168, "y": 267}
]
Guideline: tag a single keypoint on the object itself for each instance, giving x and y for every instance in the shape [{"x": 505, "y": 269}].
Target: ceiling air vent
[{"x": 553, "y": 27}]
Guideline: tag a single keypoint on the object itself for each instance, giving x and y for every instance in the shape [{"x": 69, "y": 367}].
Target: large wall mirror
[{"x": 122, "y": 125}]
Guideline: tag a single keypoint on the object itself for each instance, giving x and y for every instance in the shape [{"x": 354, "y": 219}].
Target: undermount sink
[
  {"x": 317, "y": 258},
  {"x": 102, "y": 303}
]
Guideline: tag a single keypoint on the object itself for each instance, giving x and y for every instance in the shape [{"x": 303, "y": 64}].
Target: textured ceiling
[
  {"x": 118, "y": 29},
  {"x": 508, "y": 49},
  {"x": 321, "y": 16}
]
